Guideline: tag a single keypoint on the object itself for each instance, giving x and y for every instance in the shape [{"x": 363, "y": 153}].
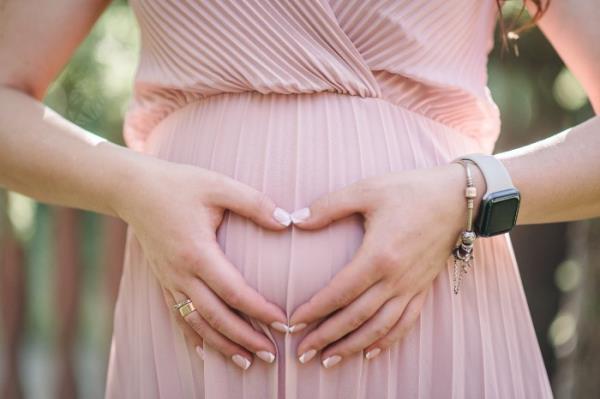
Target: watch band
[{"x": 494, "y": 172}]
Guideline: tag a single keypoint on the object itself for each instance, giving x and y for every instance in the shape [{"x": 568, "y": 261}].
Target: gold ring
[
  {"x": 187, "y": 308},
  {"x": 180, "y": 304}
]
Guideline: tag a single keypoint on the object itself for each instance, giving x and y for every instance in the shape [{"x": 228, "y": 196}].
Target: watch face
[{"x": 499, "y": 212}]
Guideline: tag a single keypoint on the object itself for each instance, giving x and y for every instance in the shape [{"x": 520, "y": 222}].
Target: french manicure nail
[
  {"x": 200, "y": 352},
  {"x": 297, "y": 327},
  {"x": 279, "y": 326},
  {"x": 331, "y": 360},
  {"x": 306, "y": 356},
  {"x": 282, "y": 216},
  {"x": 241, "y": 361},
  {"x": 372, "y": 353},
  {"x": 300, "y": 215},
  {"x": 266, "y": 356}
]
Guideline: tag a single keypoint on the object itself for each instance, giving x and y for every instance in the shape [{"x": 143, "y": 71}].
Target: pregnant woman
[{"x": 291, "y": 197}]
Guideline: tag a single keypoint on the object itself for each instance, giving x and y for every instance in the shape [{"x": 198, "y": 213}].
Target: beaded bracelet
[{"x": 463, "y": 252}]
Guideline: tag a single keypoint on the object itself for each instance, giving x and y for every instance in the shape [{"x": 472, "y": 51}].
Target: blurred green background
[{"x": 559, "y": 263}]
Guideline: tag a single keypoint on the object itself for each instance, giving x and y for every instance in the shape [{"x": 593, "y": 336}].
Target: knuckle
[
  {"x": 383, "y": 344},
  {"x": 311, "y": 304},
  {"x": 217, "y": 185},
  {"x": 358, "y": 320},
  {"x": 260, "y": 202},
  {"x": 362, "y": 187},
  {"x": 339, "y": 349},
  {"x": 323, "y": 208},
  {"x": 213, "y": 319},
  {"x": 225, "y": 347},
  {"x": 217, "y": 324},
  {"x": 319, "y": 343},
  {"x": 232, "y": 297},
  {"x": 197, "y": 266},
  {"x": 368, "y": 189},
  {"x": 350, "y": 348},
  {"x": 341, "y": 299},
  {"x": 196, "y": 324},
  {"x": 192, "y": 258},
  {"x": 401, "y": 330},
  {"x": 412, "y": 314},
  {"x": 255, "y": 343},
  {"x": 187, "y": 255},
  {"x": 395, "y": 336},
  {"x": 345, "y": 347},
  {"x": 382, "y": 330},
  {"x": 409, "y": 323},
  {"x": 387, "y": 259}
]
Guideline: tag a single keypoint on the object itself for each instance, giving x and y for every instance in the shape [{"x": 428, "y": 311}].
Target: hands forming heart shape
[{"x": 412, "y": 220}]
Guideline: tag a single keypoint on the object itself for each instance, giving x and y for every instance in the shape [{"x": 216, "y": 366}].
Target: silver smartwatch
[{"x": 499, "y": 205}]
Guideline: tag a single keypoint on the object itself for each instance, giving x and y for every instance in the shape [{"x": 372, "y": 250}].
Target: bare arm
[
  {"x": 559, "y": 177},
  {"x": 42, "y": 154}
]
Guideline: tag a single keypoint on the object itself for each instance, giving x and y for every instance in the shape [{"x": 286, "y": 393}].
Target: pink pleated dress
[{"x": 296, "y": 99}]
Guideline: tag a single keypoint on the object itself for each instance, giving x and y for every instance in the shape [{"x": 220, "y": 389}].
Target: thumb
[
  {"x": 251, "y": 203},
  {"x": 331, "y": 207}
]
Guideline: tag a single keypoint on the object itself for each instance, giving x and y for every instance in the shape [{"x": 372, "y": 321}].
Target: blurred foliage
[
  {"x": 92, "y": 91},
  {"x": 536, "y": 94}
]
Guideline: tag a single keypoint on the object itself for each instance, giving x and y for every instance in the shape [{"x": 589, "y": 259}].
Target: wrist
[
  {"x": 125, "y": 171},
  {"x": 454, "y": 185}
]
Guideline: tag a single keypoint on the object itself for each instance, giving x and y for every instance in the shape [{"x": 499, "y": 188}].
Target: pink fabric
[{"x": 299, "y": 98}]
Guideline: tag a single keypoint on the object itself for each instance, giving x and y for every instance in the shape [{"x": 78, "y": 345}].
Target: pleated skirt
[{"x": 296, "y": 147}]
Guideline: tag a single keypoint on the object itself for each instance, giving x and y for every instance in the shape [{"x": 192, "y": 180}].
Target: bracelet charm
[{"x": 463, "y": 252}]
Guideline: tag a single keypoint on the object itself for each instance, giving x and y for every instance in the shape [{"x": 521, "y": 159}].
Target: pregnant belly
[{"x": 296, "y": 148}]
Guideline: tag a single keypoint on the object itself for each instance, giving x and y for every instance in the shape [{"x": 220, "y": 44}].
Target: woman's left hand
[{"x": 412, "y": 221}]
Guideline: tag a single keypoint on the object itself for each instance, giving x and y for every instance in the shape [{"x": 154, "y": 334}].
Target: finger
[
  {"x": 224, "y": 320},
  {"x": 251, "y": 203},
  {"x": 190, "y": 334},
  {"x": 240, "y": 356},
  {"x": 377, "y": 327},
  {"x": 401, "y": 328},
  {"x": 345, "y": 321},
  {"x": 213, "y": 267},
  {"x": 343, "y": 288},
  {"x": 332, "y": 206}
]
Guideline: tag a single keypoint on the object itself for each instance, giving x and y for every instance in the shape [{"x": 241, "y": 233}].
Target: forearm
[
  {"x": 52, "y": 160},
  {"x": 559, "y": 177}
]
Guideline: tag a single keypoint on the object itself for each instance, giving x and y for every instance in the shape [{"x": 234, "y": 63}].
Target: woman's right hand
[{"x": 174, "y": 211}]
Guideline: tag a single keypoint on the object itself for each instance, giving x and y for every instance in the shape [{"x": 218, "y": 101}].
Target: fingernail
[
  {"x": 331, "y": 360},
  {"x": 306, "y": 356},
  {"x": 372, "y": 353},
  {"x": 200, "y": 352},
  {"x": 300, "y": 215},
  {"x": 266, "y": 356},
  {"x": 280, "y": 326},
  {"x": 282, "y": 216},
  {"x": 297, "y": 327},
  {"x": 241, "y": 361}
]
